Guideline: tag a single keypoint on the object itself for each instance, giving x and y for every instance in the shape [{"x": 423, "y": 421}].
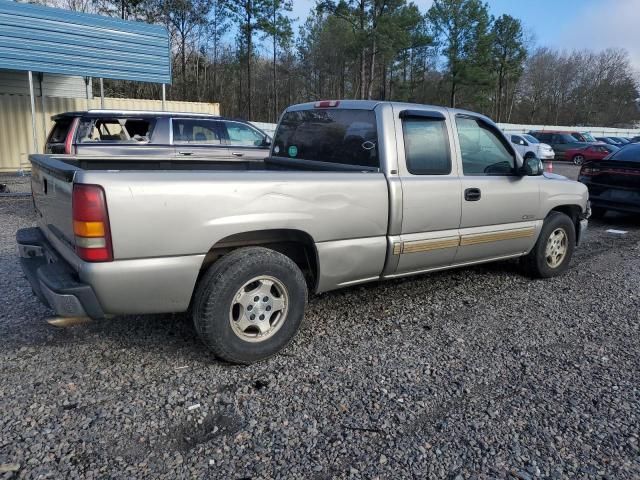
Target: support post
[
  {"x": 101, "y": 94},
  {"x": 86, "y": 90},
  {"x": 164, "y": 96},
  {"x": 33, "y": 114},
  {"x": 42, "y": 102}
]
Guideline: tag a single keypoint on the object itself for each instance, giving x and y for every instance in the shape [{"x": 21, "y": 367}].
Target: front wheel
[
  {"x": 578, "y": 159},
  {"x": 553, "y": 251},
  {"x": 249, "y": 304}
]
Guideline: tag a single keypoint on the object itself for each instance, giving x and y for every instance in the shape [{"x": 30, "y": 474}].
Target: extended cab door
[
  {"x": 431, "y": 191},
  {"x": 499, "y": 207}
]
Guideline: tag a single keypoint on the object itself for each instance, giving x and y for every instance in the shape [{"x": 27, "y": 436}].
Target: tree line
[{"x": 245, "y": 55}]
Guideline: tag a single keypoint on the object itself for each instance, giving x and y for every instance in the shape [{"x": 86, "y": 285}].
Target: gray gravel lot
[{"x": 474, "y": 373}]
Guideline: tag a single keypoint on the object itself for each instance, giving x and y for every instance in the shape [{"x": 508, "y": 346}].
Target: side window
[
  {"x": 115, "y": 130},
  {"x": 517, "y": 140},
  {"x": 196, "y": 131},
  {"x": 484, "y": 151},
  {"x": 241, "y": 134},
  {"x": 426, "y": 146}
]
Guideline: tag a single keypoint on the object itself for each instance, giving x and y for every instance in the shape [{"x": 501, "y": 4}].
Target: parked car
[
  {"x": 614, "y": 183},
  {"x": 353, "y": 192},
  {"x": 621, "y": 140},
  {"x": 529, "y": 146},
  {"x": 591, "y": 152},
  {"x": 559, "y": 141},
  {"x": 635, "y": 139},
  {"x": 583, "y": 137},
  {"x": 190, "y": 136},
  {"x": 610, "y": 141}
]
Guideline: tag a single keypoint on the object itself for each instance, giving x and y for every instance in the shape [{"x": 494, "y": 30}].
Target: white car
[{"x": 528, "y": 145}]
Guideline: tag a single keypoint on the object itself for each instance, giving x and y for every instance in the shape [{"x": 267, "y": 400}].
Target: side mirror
[
  {"x": 531, "y": 167},
  {"x": 266, "y": 142}
]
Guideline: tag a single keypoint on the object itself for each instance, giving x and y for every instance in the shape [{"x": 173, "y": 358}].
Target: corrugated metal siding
[
  {"x": 16, "y": 140},
  {"x": 17, "y": 83},
  {"x": 51, "y": 40}
]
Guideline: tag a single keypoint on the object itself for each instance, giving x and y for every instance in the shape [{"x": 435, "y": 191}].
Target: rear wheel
[
  {"x": 249, "y": 304},
  {"x": 578, "y": 159},
  {"x": 553, "y": 251}
]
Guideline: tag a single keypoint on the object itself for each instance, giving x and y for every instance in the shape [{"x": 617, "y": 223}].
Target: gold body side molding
[{"x": 461, "y": 240}]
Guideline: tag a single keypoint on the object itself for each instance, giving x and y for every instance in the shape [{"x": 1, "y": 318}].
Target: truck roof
[{"x": 372, "y": 104}]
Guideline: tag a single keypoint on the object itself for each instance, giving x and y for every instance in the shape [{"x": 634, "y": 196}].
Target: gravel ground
[{"x": 473, "y": 373}]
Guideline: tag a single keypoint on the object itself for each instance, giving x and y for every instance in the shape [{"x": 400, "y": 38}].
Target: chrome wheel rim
[
  {"x": 578, "y": 159},
  {"x": 556, "y": 250},
  {"x": 259, "y": 309}
]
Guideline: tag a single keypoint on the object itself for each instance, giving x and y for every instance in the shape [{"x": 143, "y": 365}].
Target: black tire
[
  {"x": 217, "y": 289},
  {"x": 535, "y": 262},
  {"x": 598, "y": 212},
  {"x": 529, "y": 155}
]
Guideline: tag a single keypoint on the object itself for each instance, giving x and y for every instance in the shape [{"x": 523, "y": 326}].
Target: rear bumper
[{"x": 53, "y": 280}]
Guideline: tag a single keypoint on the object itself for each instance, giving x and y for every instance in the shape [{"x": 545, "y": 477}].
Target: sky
[{"x": 561, "y": 24}]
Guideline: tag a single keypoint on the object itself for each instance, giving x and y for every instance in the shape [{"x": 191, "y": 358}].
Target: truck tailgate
[{"x": 52, "y": 186}]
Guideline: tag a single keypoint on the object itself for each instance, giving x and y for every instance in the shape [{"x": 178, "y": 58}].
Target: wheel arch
[
  {"x": 571, "y": 211},
  {"x": 296, "y": 244}
]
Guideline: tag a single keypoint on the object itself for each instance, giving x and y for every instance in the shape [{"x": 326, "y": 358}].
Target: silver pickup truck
[{"x": 352, "y": 192}]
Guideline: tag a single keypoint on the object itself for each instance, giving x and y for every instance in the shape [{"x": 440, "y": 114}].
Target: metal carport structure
[{"x": 50, "y": 40}]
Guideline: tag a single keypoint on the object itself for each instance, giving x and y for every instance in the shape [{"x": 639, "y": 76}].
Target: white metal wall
[
  {"x": 595, "y": 131},
  {"x": 270, "y": 128},
  {"x": 16, "y": 140}
]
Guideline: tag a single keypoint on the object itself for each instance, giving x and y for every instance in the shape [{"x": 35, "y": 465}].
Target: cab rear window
[{"x": 341, "y": 136}]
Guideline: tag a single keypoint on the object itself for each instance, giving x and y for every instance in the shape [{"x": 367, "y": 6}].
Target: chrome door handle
[
  {"x": 237, "y": 154},
  {"x": 185, "y": 153}
]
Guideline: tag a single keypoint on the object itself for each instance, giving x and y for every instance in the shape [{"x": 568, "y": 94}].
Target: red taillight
[
  {"x": 68, "y": 141},
  {"x": 327, "y": 103},
  {"x": 91, "y": 223}
]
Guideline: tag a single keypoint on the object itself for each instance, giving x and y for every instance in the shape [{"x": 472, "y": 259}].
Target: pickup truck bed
[{"x": 352, "y": 192}]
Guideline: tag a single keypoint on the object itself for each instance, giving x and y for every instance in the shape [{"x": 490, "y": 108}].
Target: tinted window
[
  {"x": 426, "y": 146},
  {"x": 59, "y": 131},
  {"x": 241, "y": 134},
  {"x": 130, "y": 130},
  {"x": 628, "y": 153},
  {"x": 531, "y": 138},
  {"x": 484, "y": 151},
  {"x": 544, "y": 137},
  {"x": 196, "y": 131},
  {"x": 329, "y": 135}
]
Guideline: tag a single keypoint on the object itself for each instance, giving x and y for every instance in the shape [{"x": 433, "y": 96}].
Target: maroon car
[
  {"x": 614, "y": 182},
  {"x": 596, "y": 151}
]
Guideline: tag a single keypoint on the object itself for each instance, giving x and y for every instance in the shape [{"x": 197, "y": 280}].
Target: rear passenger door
[
  {"x": 244, "y": 141},
  {"x": 122, "y": 136},
  {"x": 199, "y": 138},
  {"x": 431, "y": 195},
  {"x": 499, "y": 207}
]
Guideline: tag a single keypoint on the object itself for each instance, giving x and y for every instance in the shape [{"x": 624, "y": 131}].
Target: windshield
[
  {"x": 588, "y": 137},
  {"x": 530, "y": 138}
]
